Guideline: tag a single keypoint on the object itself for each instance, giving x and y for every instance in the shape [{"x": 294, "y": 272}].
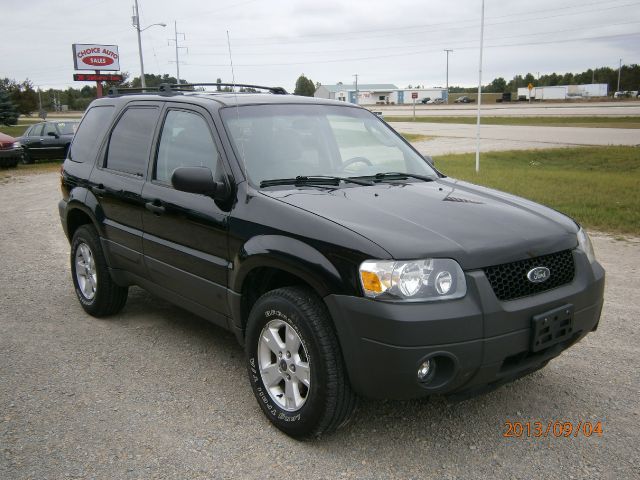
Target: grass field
[
  {"x": 415, "y": 137},
  {"x": 590, "y": 122},
  {"x": 597, "y": 186}
]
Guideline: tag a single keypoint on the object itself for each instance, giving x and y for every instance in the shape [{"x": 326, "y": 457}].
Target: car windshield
[
  {"x": 289, "y": 141},
  {"x": 67, "y": 128}
]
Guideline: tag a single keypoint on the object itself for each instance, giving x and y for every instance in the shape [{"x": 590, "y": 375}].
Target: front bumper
[
  {"x": 10, "y": 156},
  {"x": 477, "y": 342}
]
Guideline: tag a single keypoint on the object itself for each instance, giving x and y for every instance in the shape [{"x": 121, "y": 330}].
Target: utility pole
[
  {"x": 619, "y": 70},
  {"x": 479, "y": 91},
  {"x": 356, "y": 75},
  {"x": 448, "y": 50},
  {"x": 136, "y": 23},
  {"x": 175, "y": 41}
]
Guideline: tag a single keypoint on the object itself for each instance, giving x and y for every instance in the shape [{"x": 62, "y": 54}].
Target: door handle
[
  {"x": 99, "y": 190},
  {"x": 154, "y": 207}
]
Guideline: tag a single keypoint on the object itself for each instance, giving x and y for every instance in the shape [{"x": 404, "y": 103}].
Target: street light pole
[
  {"x": 448, "y": 50},
  {"x": 479, "y": 91},
  {"x": 356, "y": 75},
  {"x": 619, "y": 70},
  {"x": 137, "y": 25}
]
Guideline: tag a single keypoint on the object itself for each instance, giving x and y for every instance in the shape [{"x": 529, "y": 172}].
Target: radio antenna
[{"x": 235, "y": 95}]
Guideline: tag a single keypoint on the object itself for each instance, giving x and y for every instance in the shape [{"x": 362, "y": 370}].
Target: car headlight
[
  {"x": 16, "y": 145},
  {"x": 584, "y": 244},
  {"x": 413, "y": 280}
]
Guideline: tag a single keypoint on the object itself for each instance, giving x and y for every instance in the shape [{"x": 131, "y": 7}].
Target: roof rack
[
  {"x": 190, "y": 86},
  {"x": 176, "y": 88}
]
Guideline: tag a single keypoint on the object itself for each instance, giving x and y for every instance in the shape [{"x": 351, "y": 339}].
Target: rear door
[
  {"x": 185, "y": 239},
  {"x": 117, "y": 183},
  {"x": 32, "y": 139},
  {"x": 52, "y": 146}
]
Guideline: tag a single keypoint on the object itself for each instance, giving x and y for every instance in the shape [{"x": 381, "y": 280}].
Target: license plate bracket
[{"x": 551, "y": 327}]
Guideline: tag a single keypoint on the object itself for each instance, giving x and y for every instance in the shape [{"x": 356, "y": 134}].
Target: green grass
[
  {"x": 14, "y": 130},
  {"x": 597, "y": 186},
  {"x": 591, "y": 122},
  {"x": 415, "y": 137}
]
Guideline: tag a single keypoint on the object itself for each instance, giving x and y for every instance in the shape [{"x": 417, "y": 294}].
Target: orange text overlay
[{"x": 552, "y": 428}]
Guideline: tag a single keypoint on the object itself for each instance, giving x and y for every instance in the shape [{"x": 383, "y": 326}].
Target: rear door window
[
  {"x": 130, "y": 141},
  {"x": 90, "y": 133},
  {"x": 35, "y": 131}
]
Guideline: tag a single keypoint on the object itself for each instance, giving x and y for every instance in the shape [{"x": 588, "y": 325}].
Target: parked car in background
[
  {"x": 425, "y": 100},
  {"x": 10, "y": 151},
  {"x": 464, "y": 100},
  {"x": 47, "y": 140},
  {"x": 436, "y": 101}
]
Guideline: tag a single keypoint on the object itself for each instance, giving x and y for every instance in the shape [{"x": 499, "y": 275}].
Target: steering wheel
[{"x": 353, "y": 160}]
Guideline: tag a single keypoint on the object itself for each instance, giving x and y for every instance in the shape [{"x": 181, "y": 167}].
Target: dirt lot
[{"x": 157, "y": 393}]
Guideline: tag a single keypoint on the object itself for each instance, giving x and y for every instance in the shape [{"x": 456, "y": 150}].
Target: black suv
[{"x": 343, "y": 261}]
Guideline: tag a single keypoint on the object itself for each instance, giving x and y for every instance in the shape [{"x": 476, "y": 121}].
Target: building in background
[
  {"x": 378, "y": 93},
  {"x": 564, "y": 92}
]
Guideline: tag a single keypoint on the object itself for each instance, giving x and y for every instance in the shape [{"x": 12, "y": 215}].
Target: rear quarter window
[{"x": 90, "y": 133}]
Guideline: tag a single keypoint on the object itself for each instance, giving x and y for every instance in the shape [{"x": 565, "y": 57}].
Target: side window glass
[
  {"x": 90, "y": 133},
  {"x": 49, "y": 127},
  {"x": 130, "y": 141},
  {"x": 35, "y": 131},
  {"x": 186, "y": 141}
]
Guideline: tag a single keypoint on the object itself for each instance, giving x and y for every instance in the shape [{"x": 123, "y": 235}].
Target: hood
[{"x": 446, "y": 218}]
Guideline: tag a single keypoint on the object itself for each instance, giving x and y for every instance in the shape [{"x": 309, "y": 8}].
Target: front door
[{"x": 185, "y": 234}]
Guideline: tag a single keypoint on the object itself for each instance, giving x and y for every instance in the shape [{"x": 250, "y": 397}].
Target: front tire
[
  {"x": 96, "y": 291},
  {"x": 295, "y": 364}
]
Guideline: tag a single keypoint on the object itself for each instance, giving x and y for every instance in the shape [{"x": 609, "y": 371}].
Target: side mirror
[
  {"x": 197, "y": 180},
  {"x": 53, "y": 134}
]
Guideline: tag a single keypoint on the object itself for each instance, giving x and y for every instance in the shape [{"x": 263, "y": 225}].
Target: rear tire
[
  {"x": 27, "y": 159},
  {"x": 295, "y": 364},
  {"x": 96, "y": 291}
]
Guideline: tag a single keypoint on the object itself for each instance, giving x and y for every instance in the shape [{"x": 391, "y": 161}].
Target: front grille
[{"x": 509, "y": 280}]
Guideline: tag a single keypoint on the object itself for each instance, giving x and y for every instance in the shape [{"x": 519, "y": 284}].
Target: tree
[
  {"x": 8, "y": 111},
  {"x": 498, "y": 85},
  {"x": 304, "y": 86}
]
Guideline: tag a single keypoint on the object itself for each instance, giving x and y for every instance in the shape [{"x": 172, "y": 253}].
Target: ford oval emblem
[{"x": 539, "y": 274}]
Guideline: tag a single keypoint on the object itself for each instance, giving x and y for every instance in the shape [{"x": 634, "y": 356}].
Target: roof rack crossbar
[
  {"x": 176, "y": 88},
  {"x": 116, "y": 91},
  {"x": 189, "y": 87}
]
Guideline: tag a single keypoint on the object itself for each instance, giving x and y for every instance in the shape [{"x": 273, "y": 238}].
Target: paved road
[
  {"x": 587, "y": 109},
  {"x": 461, "y": 138},
  {"x": 158, "y": 393}
]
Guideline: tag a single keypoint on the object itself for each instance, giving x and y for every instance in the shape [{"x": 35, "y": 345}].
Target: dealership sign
[{"x": 95, "y": 57}]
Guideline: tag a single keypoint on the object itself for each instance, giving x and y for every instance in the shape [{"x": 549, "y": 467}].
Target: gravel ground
[{"x": 158, "y": 393}]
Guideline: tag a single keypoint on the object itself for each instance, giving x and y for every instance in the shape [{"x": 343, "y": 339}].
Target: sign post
[
  {"x": 530, "y": 87},
  {"x": 96, "y": 57},
  {"x": 414, "y": 96}
]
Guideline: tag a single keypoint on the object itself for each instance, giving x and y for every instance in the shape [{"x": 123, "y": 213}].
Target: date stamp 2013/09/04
[{"x": 552, "y": 428}]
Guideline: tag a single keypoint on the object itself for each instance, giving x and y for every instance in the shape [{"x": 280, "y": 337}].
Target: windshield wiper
[
  {"x": 313, "y": 180},
  {"x": 400, "y": 176}
]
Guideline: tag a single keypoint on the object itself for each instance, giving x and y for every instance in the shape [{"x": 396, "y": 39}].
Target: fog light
[{"x": 425, "y": 370}]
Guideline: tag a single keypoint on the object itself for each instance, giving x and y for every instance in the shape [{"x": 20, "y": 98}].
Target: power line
[{"x": 406, "y": 54}]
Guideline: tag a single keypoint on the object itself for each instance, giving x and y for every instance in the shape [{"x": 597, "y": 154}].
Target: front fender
[{"x": 290, "y": 255}]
